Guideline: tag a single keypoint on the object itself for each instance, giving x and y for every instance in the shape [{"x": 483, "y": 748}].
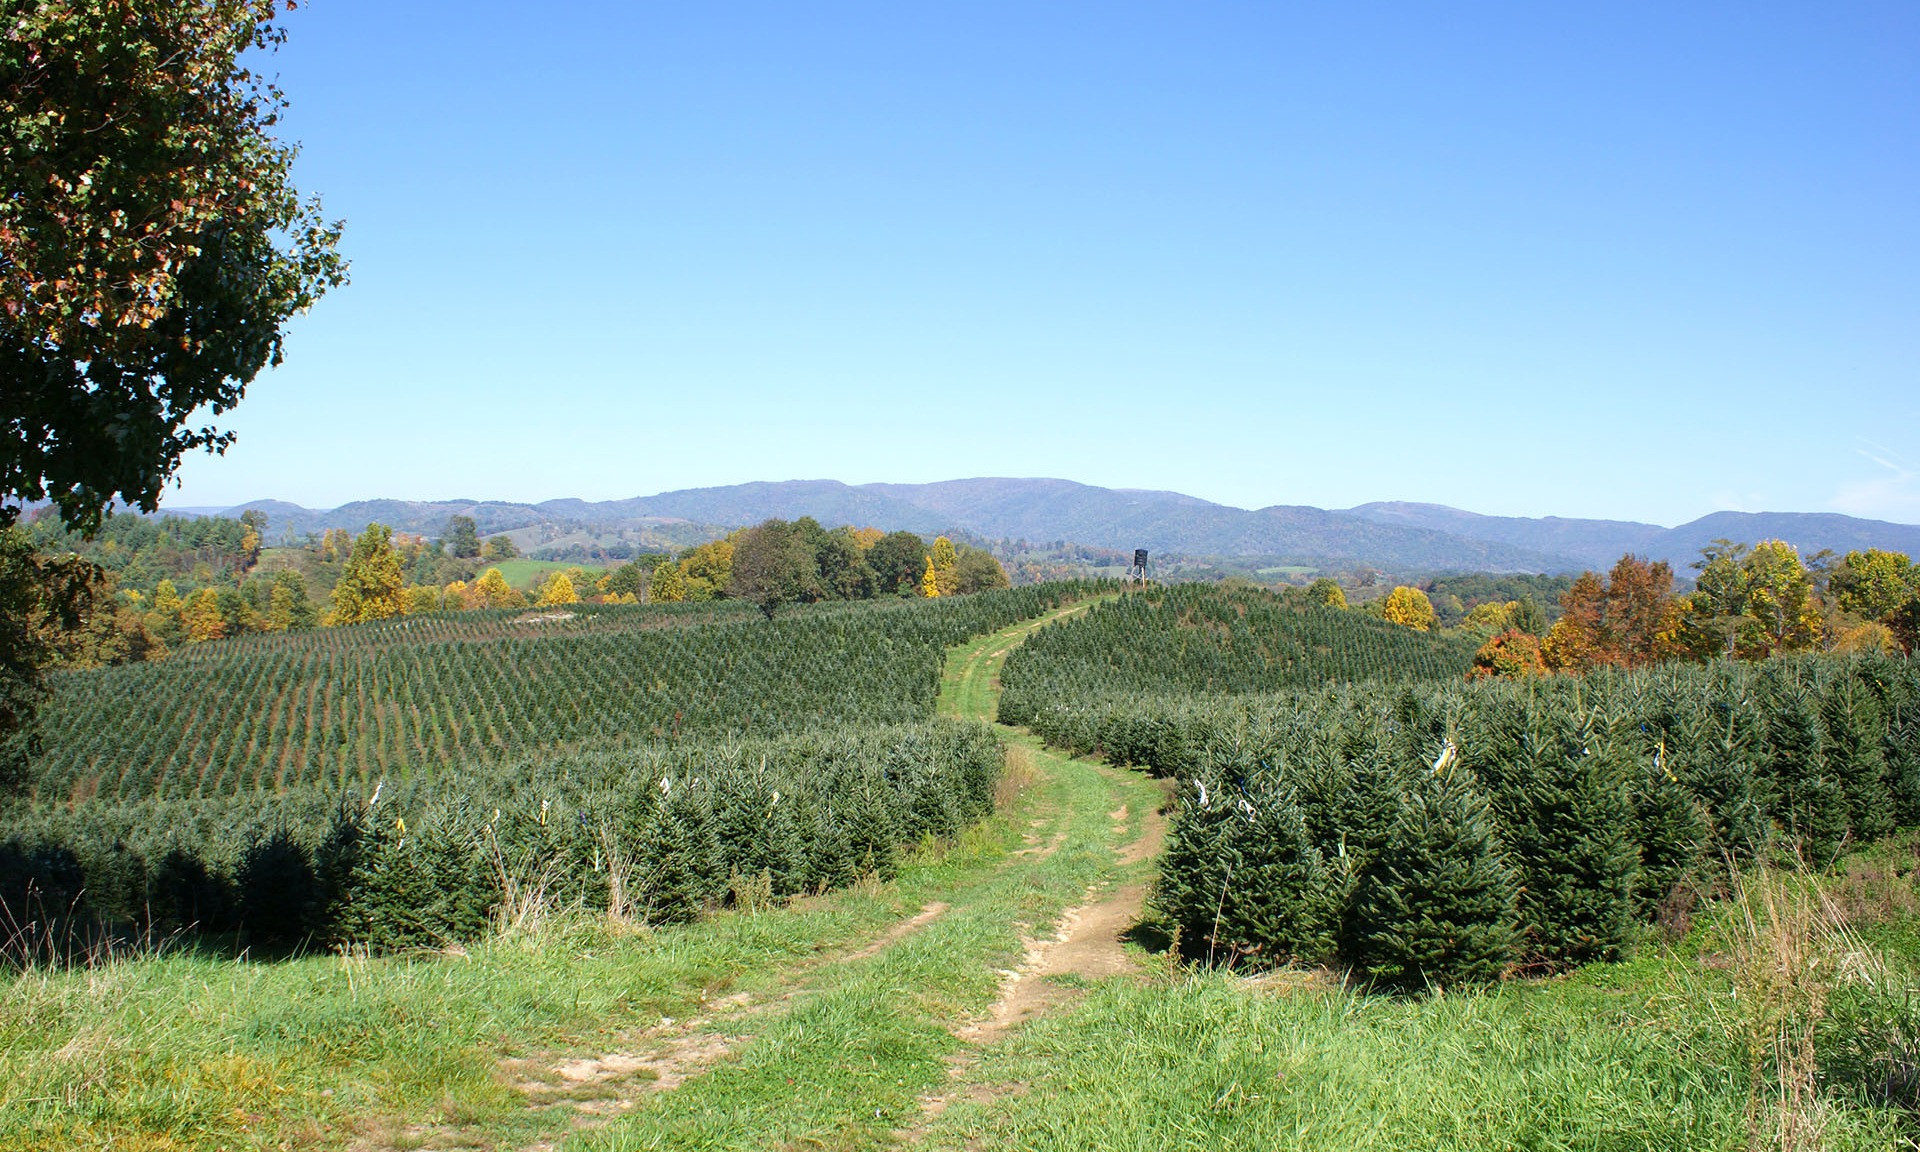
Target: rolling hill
[{"x": 1396, "y": 536}]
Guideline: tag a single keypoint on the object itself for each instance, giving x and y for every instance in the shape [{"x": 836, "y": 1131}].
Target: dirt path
[
  {"x": 571, "y": 1092},
  {"x": 1087, "y": 944}
]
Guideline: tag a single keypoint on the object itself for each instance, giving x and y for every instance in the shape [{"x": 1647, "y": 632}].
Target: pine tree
[
  {"x": 461, "y": 538},
  {"x": 1435, "y": 906}
]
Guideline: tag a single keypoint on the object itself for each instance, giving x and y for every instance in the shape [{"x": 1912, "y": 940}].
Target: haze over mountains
[{"x": 1396, "y": 536}]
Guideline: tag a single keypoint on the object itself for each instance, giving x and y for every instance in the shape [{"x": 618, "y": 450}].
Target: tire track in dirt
[{"x": 1087, "y": 944}]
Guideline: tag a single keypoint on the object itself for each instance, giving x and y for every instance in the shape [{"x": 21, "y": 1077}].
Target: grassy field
[
  {"x": 872, "y": 1018},
  {"x": 526, "y": 574}
]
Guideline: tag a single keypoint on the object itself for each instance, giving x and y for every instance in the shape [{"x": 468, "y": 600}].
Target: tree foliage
[
  {"x": 462, "y": 539},
  {"x": 1629, "y": 620},
  {"x": 1409, "y": 608},
  {"x": 557, "y": 589},
  {"x": 152, "y": 244},
  {"x": 38, "y": 597},
  {"x": 773, "y": 566},
  {"x": 1327, "y": 592},
  {"x": 369, "y": 587}
]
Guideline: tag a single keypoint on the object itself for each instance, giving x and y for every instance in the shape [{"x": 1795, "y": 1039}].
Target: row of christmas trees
[
  {"x": 656, "y": 834},
  {"x": 1442, "y": 833}
]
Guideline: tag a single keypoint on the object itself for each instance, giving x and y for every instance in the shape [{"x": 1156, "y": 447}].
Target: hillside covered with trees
[{"x": 160, "y": 585}]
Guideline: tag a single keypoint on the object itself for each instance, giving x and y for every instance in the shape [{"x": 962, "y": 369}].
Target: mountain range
[{"x": 1399, "y": 537}]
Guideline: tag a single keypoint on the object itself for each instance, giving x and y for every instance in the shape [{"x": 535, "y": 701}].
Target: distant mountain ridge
[
  {"x": 1598, "y": 543},
  {"x": 1396, "y": 536}
]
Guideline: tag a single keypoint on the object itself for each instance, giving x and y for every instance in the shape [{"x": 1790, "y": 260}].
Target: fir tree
[
  {"x": 1856, "y": 754},
  {"x": 278, "y": 891},
  {"x": 1901, "y": 751},
  {"x": 1569, "y": 821},
  {"x": 1195, "y": 870},
  {"x": 1281, "y": 905},
  {"x": 1805, "y": 800},
  {"x": 1670, "y": 827},
  {"x": 678, "y": 857},
  {"x": 1435, "y": 906},
  {"x": 872, "y": 831}
]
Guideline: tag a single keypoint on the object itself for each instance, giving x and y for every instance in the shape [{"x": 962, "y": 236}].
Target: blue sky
[{"x": 1636, "y": 261}]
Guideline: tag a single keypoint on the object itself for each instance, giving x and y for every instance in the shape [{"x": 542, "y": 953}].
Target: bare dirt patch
[
  {"x": 1153, "y": 831},
  {"x": 1086, "y": 945}
]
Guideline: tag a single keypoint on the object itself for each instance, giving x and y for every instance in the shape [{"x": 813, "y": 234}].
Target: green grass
[
  {"x": 970, "y": 683},
  {"x": 198, "y": 1052},
  {"x": 524, "y": 574}
]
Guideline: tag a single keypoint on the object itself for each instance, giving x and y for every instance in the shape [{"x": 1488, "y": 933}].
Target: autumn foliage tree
[
  {"x": 1328, "y": 592},
  {"x": 1513, "y": 654},
  {"x": 1628, "y": 621},
  {"x": 491, "y": 590},
  {"x": 945, "y": 562},
  {"x": 1750, "y": 603},
  {"x": 1410, "y": 608},
  {"x": 369, "y": 587},
  {"x": 557, "y": 589}
]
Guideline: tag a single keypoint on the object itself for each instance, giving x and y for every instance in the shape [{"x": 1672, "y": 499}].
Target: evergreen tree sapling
[{"x": 1435, "y": 906}]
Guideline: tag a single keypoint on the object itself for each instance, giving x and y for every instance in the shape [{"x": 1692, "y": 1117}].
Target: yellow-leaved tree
[
  {"x": 708, "y": 569},
  {"x": 930, "y": 583},
  {"x": 557, "y": 589},
  {"x": 946, "y": 563},
  {"x": 1327, "y": 591},
  {"x": 667, "y": 586},
  {"x": 491, "y": 590},
  {"x": 200, "y": 619},
  {"x": 1409, "y": 608},
  {"x": 369, "y": 587}
]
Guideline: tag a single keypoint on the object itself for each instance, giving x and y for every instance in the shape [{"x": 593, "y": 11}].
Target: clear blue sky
[{"x": 1638, "y": 261}]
